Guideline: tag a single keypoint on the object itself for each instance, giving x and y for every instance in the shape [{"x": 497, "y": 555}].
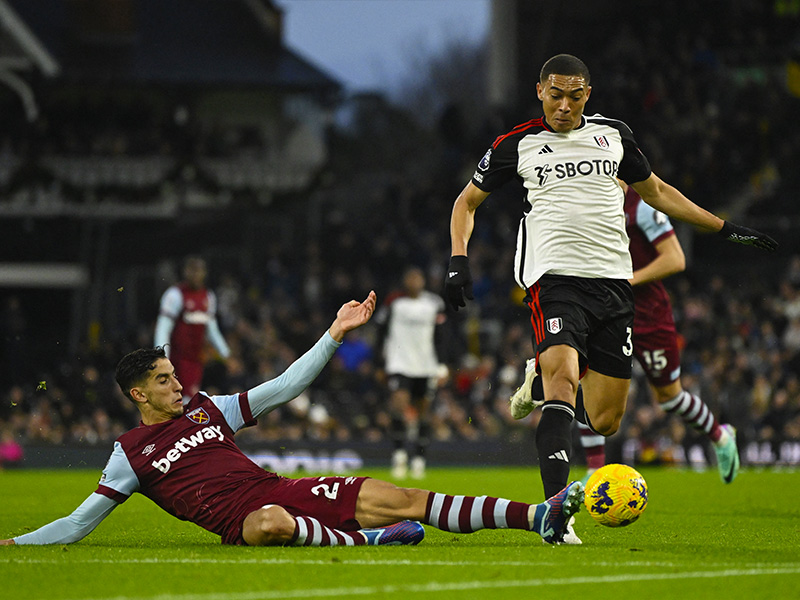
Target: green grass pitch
[{"x": 697, "y": 539}]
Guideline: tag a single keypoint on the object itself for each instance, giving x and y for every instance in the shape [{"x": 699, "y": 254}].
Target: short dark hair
[
  {"x": 134, "y": 367},
  {"x": 564, "y": 64}
]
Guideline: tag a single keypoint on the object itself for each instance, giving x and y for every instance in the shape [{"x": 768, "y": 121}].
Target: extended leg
[{"x": 380, "y": 502}]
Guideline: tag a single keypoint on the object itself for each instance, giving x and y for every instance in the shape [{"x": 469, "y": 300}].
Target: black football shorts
[{"x": 594, "y": 316}]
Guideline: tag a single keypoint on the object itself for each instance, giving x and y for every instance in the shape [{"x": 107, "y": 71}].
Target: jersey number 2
[{"x": 329, "y": 491}]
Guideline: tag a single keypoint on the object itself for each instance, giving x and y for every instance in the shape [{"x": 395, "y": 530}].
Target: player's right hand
[
  {"x": 458, "y": 282},
  {"x": 749, "y": 237}
]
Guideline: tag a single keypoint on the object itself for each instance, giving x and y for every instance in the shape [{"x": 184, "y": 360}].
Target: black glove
[
  {"x": 458, "y": 282},
  {"x": 748, "y": 237}
]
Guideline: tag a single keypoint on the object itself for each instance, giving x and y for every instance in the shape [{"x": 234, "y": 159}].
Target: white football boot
[
  {"x": 569, "y": 535},
  {"x": 521, "y": 404}
]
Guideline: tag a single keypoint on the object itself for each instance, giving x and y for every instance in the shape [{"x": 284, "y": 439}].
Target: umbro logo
[
  {"x": 546, "y": 150},
  {"x": 149, "y": 449},
  {"x": 560, "y": 455},
  {"x": 452, "y": 274}
]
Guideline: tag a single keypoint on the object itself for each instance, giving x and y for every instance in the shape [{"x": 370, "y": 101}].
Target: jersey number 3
[{"x": 627, "y": 349}]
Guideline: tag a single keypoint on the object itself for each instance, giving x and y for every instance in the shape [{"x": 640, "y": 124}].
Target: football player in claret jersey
[
  {"x": 407, "y": 334},
  {"x": 656, "y": 253},
  {"x": 572, "y": 251},
  {"x": 184, "y": 458},
  {"x": 187, "y": 318}
]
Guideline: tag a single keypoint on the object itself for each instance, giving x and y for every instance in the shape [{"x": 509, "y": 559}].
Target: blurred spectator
[
  {"x": 11, "y": 453},
  {"x": 187, "y": 318}
]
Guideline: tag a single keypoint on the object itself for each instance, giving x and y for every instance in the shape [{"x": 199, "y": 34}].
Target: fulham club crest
[
  {"x": 199, "y": 416},
  {"x": 554, "y": 325}
]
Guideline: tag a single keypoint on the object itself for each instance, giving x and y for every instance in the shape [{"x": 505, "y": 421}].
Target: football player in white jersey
[
  {"x": 408, "y": 322},
  {"x": 572, "y": 252}
]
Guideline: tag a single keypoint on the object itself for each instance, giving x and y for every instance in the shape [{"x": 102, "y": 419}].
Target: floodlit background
[{"x": 311, "y": 150}]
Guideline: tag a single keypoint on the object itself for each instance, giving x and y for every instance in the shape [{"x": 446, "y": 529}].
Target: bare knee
[
  {"x": 604, "y": 399},
  {"x": 607, "y": 422},
  {"x": 410, "y": 499},
  {"x": 268, "y": 526}
]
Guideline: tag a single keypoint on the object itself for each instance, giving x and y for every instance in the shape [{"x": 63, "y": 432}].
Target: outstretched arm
[
  {"x": 288, "y": 385},
  {"x": 669, "y": 200},
  {"x": 351, "y": 316},
  {"x": 72, "y": 528},
  {"x": 662, "y": 196}
]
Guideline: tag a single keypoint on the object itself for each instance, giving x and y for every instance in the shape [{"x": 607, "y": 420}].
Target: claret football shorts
[{"x": 330, "y": 500}]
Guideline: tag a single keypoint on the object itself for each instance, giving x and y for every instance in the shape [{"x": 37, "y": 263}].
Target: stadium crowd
[
  {"x": 741, "y": 353},
  {"x": 741, "y": 327}
]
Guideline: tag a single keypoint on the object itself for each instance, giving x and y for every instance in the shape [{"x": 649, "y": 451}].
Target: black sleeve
[
  {"x": 498, "y": 165},
  {"x": 634, "y": 166}
]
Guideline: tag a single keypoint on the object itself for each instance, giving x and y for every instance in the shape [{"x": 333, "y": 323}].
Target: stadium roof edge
[
  {"x": 15, "y": 27},
  {"x": 172, "y": 42}
]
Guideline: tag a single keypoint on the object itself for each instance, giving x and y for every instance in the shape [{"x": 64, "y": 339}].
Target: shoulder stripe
[
  {"x": 518, "y": 129},
  {"x": 662, "y": 237},
  {"x": 247, "y": 414},
  {"x": 113, "y": 494}
]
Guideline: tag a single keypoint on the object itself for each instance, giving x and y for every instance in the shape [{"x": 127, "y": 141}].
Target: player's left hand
[
  {"x": 353, "y": 314},
  {"x": 749, "y": 237}
]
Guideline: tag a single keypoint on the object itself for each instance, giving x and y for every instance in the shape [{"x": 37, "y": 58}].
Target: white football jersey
[
  {"x": 575, "y": 224},
  {"x": 409, "y": 347}
]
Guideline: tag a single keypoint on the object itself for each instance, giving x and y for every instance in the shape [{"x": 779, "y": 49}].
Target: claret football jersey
[
  {"x": 647, "y": 227},
  {"x": 190, "y": 465}
]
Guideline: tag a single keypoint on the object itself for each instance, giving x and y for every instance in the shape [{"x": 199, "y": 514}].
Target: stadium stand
[{"x": 289, "y": 233}]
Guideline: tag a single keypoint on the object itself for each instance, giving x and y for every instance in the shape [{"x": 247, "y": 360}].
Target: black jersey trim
[{"x": 620, "y": 126}]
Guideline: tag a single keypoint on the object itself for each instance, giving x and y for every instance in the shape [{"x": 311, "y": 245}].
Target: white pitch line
[
  {"x": 338, "y": 561},
  {"x": 460, "y": 585}
]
